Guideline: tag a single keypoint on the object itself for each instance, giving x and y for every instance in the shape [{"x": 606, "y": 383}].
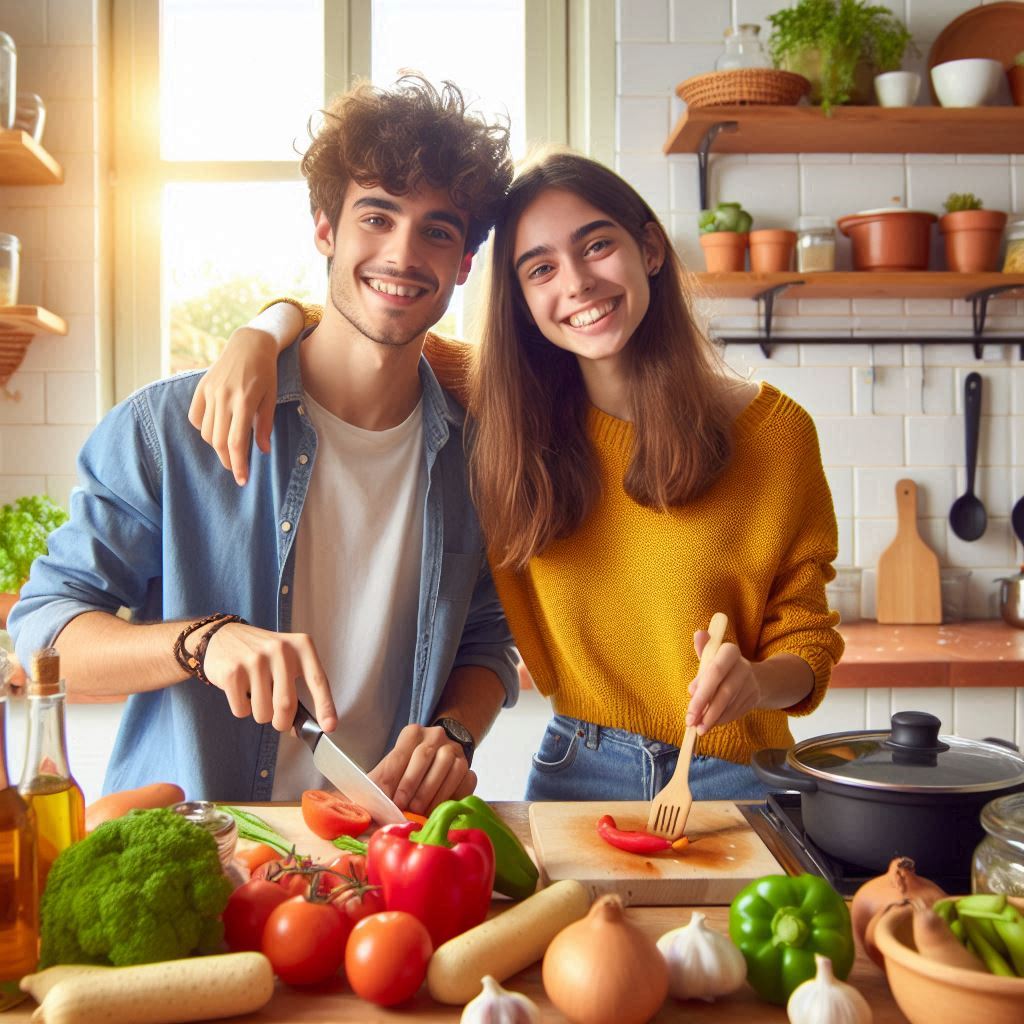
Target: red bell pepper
[
  {"x": 443, "y": 878},
  {"x": 632, "y": 842}
]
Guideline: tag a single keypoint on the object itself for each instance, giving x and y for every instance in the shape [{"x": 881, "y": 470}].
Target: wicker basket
[{"x": 744, "y": 86}]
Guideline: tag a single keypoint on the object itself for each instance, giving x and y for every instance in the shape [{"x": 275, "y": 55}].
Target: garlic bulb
[
  {"x": 496, "y": 1005},
  {"x": 702, "y": 964},
  {"x": 825, "y": 1000}
]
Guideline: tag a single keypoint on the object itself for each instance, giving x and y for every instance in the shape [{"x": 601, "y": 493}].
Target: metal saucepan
[{"x": 867, "y": 797}]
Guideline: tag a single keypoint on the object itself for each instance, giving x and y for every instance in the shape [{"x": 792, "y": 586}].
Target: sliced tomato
[{"x": 329, "y": 816}]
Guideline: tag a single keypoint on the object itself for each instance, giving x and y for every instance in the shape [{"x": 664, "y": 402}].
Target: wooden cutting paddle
[
  {"x": 908, "y": 588},
  {"x": 671, "y": 807}
]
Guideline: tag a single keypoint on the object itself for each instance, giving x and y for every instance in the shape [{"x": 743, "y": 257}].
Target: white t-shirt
[{"x": 358, "y": 554}]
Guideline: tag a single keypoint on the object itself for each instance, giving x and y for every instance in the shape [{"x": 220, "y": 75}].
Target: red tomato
[
  {"x": 247, "y": 911},
  {"x": 354, "y": 902},
  {"x": 304, "y": 941},
  {"x": 330, "y": 816},
  {"x": 386, "y": 957}
]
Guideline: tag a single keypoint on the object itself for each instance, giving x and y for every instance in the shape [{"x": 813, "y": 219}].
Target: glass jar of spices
[
  {"x": 1013, "y": 263},
  {"x": 815, "y": 245},
  {"x": 8, "y": 80},
  {"x": 10, "y": 266},
  {"x": 998, "y": 864}
]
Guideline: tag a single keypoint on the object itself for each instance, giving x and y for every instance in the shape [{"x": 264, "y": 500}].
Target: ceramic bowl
[
  {"x": 971, "y": 82},
  {"x": 897, "y": 88},
  {"x": 927, "y": 991}
]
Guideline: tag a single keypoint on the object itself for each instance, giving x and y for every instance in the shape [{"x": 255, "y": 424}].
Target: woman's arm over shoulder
[{"x": 451, "y": 361}]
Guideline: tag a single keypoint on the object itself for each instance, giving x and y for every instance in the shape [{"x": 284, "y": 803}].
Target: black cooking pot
[{"x": 867, "y": 797}]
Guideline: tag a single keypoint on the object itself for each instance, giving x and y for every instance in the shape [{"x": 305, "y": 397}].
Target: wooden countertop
[
  {"x": 981, "y": 653},
  {"x": 332, "y": 1003}
]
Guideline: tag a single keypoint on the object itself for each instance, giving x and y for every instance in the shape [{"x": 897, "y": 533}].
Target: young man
[{"x": 354, "y": 555}]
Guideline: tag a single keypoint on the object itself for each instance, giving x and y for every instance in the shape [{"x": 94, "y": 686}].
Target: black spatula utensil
[{"x": 967, "y": 516}]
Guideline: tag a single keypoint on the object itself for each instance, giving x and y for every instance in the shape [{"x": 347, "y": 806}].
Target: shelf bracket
[
  {"x": 702, "y": 156},
  {"x": 979, "y": 310},
  {"x": 766, "y": 300}
]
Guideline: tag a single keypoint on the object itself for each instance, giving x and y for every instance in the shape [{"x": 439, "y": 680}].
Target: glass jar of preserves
[
  {"x": 998, "y": 864},
  {"x": 815, "y": 245},
  {"x": 743, "y": 49},
  {"x": 1014, "y": 260},
  {"x": 10, "y": 265},
  {"x": 8, "y": 80},
  {"x": 218, "y": 823}
]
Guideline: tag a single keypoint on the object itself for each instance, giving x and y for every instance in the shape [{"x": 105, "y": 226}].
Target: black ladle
[
  {"x": 1017, "y": 520},
  {"x": 967, "y": 516}
]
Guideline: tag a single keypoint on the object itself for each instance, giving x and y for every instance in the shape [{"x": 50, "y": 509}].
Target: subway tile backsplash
[{"x": 882, "y": 411}]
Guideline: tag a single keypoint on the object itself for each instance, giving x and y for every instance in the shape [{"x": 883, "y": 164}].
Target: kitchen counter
[
  {"x": 336, "y": 1003},
  {"x": 980, "y": 653}
]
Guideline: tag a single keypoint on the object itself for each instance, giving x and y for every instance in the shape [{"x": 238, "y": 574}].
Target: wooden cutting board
[
  {"x": 724, "y": 853},
  {"x": 908, "y": 587}
]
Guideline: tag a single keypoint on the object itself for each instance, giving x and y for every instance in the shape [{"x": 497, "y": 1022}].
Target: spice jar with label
[
  {"x": 815, "y": 244},
  {"x": 1013, "y": 263},
  {"x": 10, "y": 262},
  {"x": 998, "y": 864}
]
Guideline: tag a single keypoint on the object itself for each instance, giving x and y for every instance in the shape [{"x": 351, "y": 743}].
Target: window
[{"x": 212, "y": 102}]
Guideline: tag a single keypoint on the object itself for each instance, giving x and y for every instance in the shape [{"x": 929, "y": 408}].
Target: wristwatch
[{"x": 458, "y": 733}]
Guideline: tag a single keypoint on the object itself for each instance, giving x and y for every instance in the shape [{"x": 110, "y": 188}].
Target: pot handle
[{"x": 770, "y": 767}]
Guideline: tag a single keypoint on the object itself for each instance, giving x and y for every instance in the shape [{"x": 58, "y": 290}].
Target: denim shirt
[{"x": 159, "y": 527}]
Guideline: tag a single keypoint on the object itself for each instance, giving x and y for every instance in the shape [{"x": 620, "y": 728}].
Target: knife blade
[{"x": 344, "y": 773}]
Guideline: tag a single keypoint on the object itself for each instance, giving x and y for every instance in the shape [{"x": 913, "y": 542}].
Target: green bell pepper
[
  {"x": 515, "y": 874},
  {"x": 779, "y": 922}
]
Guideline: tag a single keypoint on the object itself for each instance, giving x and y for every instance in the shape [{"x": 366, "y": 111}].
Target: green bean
[
  {"x": 1012, "y": 934},
  {"x": 989, "y": 956},
  {"x": 946, "y": 909},
  {"x": 982, "y": 902}
]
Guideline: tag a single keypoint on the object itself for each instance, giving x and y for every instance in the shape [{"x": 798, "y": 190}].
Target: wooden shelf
[
  {"x": 24, "y": 162},
  {"x": 765, "y": 129},
  {"x": 924, "y": 284},
  {"x": 30, "y": 320}
]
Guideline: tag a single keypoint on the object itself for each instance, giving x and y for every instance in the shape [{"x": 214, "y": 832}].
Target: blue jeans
[{"x": 582, "y": 761}]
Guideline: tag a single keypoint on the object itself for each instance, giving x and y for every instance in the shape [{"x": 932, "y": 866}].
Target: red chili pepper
[
  {"x": 443, "y": 878},
  {"x": 631, "y": 842}
]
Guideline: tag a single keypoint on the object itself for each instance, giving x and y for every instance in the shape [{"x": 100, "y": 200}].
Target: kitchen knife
[{"x": 344, "y": 773}]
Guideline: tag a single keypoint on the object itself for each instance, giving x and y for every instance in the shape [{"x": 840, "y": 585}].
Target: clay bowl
[{"x": 927, "y": 991}]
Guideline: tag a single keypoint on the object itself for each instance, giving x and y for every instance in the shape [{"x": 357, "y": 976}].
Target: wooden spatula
[{"x": 671, "y": 807}]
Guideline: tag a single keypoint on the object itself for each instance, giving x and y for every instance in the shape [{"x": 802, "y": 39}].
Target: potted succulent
[
  {"x": 24, "y": 527},
  {"x": 839, "y": 46},
  {"x": 1016, "y": 77},
  {"x": 971, "y": 234},
  {"x": 724, "y": 236}
]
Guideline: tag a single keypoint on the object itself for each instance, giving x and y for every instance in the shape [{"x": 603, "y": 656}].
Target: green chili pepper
[
  {"x": 981, "y": 945},
  {"x": 779, "y": 923}
]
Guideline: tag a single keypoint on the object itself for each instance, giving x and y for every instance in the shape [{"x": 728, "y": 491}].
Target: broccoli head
[{"x": 142, "y": 888}]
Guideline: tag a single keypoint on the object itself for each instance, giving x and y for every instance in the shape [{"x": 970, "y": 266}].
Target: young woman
[{"x": 628, "y": 488}]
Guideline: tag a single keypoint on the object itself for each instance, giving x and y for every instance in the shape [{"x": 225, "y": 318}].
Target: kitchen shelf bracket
[
  {"x": 766, "y": 301},
  {"x": 979, "y": 310},
  {"x": 702, "y": 156}
]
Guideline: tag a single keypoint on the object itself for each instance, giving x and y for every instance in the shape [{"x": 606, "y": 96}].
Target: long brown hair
[{"x": 533, "y": 467}]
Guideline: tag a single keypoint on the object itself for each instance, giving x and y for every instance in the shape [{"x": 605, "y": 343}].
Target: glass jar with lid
[
  {"x": 8, "y": 80},
  {"x": 815, "y": 244},
  {"x": 10, "y": 265},
  {"x": 218, "y": 823},
  {"x": 1014, "y": 260},
  {"x": 998, "y": 864},
  {"x": 743, "y": 49}
]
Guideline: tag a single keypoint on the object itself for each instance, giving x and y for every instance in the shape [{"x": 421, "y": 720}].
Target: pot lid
[{"x": 911, "y": 757}]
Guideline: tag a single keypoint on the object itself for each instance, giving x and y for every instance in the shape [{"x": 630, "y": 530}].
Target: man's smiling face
[{"x": 396, "y": 260}]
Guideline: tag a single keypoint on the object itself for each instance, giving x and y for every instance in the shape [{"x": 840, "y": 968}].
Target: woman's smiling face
[{"x": 583, "y": 276}]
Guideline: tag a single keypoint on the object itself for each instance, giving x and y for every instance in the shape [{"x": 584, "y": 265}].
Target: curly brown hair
[{"x": 400, "y": 137}]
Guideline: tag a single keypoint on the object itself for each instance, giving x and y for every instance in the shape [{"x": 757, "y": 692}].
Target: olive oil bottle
[
  {"x": 19, "y": 892},
  {"x": 46, "y": 782}
]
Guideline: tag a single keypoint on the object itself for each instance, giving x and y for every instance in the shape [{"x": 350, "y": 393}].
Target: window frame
[{"x": 570, "y": 98}]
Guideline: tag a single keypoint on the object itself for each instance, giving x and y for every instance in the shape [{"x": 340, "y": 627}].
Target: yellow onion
[{"x": 604, "y": 970}]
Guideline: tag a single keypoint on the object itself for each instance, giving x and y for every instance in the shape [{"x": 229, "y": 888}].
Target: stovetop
[{"x": 780, "y": 824}]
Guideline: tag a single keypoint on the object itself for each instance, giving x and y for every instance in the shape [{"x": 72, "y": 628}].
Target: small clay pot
[
  {"x": 1016, "y": 79},
  {"x": 724, "y": 251},
  {"x": 889, "y": 240},
  {"x": 972, "y": 240},
  {"x": 6, "y": 604},
  {"x": 771, "y": 250}
]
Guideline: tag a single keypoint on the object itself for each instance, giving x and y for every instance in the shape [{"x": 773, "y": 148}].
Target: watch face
[{"x": 456, "y": 730}]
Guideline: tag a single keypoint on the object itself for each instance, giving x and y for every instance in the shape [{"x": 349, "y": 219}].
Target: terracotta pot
[
  {"x": 724, "y": 250},
  {"x": 889, "y": 240},
  {"x": 6, "y": 604},
  {"x": 972, "y": 240},
  {"x": 772, "y": 250},
  {"x": 1016, "y": 79}
]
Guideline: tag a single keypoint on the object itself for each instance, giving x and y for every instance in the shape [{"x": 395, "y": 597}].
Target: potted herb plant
[
  {"x": 724, "y": 235},
  {"x": 1016, "y": 78},
  {"x": 971, "y": 234},
  {"x": 24, "y": 527},
  {"x": 838, "y": 45}
]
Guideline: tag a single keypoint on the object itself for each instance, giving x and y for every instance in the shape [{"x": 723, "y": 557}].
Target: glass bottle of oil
[
  {"x": 46, "y": 782},
  {"x": 19, "y": 893}
]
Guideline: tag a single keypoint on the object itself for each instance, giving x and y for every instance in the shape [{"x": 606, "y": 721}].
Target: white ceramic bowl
[
  {"x": 897, "y": 88},
  {"x": 971, "y": 82}
]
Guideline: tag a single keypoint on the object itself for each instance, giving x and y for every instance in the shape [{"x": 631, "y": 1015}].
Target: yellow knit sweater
[{"x": 604, "y": 619}]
